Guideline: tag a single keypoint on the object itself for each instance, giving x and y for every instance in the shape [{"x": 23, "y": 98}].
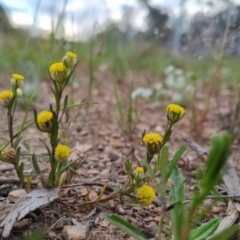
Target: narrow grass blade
[
  {"x": 124, "y": 225},
  {"x": 35, "y": 164}
]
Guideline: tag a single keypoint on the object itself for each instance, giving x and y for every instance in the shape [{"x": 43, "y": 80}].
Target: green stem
[{"x": 10, "y": 130}]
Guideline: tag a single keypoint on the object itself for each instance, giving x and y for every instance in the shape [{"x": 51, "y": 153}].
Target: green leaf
[
  {"x": 51, "y": 108},
  {"x": 56, "y": 92},
  {"x": 178, "y": 186},
  {"x": 53, "y": 91},
  {"x": 16, "y": 142},
  {"x": 17, "y": 157},
  {"x": 162, "y": 162},
  {"x": 225, "y": 234},
  {"x": 13, "y": 101},
  {"x": 65, "y": 102},
  {"x": 216, "y": 160},
  {"x": 124, "y": 225},
  {"x": 49, "y": 152},
  {"x": 129, "y": 113},
  {"x": 64, "y": 108},
  {"x": 118, "y": 103},
  {"x": 179, "y": 211},
  {"x": 174, "y": 160},
  {"x": 69, "y": 77},
  {"x": 20, "y": 170},
  {"x": 38, "y": 234},
  {"x": 214, "y": 167},
  {"x": 35, "y": 164},
  {"x": 205, "y": 230},
  {"x": 80, "y": 104},
  {"x": 54, "y": 133},
  {"x": 50, "y": 179},
  {"x": 115, "y": 190}
]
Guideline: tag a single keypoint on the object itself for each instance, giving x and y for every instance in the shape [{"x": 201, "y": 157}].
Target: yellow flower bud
[
  {"x": 44, "y": 120},
  {"x": 9, "y": 155},
  {"x": 19, "y": 92},
  {"x": 70, "y": 60},
  {"x": 153, "y": 141},
  {"x": 6, "y": 98},
  {"x": 138, "y": 173},
  {"x": 17, "y": 80},
  {"x": 175, "y": 113},
  {"x": 58, "y": 72}
]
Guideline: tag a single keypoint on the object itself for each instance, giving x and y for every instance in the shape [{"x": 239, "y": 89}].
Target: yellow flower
[
  {"x": 139, "y": 169},
  {"x": 70, "y": 60},
  {"x": 17, "y": 80},
  {"x": 175, "y": 113},
  {"x": 19, "y": 93},
  {"x": 152, "y": 138},
  {"x": 9, "y": 155},
  {"x": 44, "y": 120},
  {"x": 5, "y": 98},
  {"x": 138, "y": 173},
  {"x": 153, "y": 141},
  {"x": 17, "y": 77},
  {"x": 62, "y": 152},
  {"x": 145, "y": 195},
  {"x": 58, "y": 72},
  {"x": 71, "y": 55}
]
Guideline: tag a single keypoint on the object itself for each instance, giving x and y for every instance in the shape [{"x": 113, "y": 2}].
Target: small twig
[
  {"x": 55, "y": 224},
  {"x": 15, "y": 181},
  {"x": 108, "y": 188},
  {"x": 67, "y": 204},
  {"x": 94, "y": 211}
]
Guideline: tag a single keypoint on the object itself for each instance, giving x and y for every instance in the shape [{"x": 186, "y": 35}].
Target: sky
[{"x": 82, "y": 15}]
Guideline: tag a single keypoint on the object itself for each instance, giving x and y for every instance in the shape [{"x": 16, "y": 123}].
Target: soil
[{"x": 94, "y": 135}]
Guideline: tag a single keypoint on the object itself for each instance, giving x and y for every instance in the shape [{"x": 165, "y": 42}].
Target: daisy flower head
[
  {"x": 145, "y": 195},
  {"x": 58, "y": 72},
  {"x": 44, "y": 120},
  {"x": 9, "y": 155},
  {"x": 70, "y": 60},
  {"x": 153, "y": 142},
  {"x": 6, "y": 98},
  {"x": 17, "y": 80},
  {"x": 138, "y": 173},
  {"x": 62, "y": 153},
  {"x": 175, "y": 113}
]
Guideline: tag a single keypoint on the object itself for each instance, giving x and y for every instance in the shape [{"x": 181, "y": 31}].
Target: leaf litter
[{"x": 100, "y": 131}]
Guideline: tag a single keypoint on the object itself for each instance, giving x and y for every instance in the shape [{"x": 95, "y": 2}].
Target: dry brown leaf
[{"x": 33, "y": 200}]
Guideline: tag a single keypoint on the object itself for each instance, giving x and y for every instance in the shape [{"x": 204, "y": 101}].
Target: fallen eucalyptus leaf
[{"x": 33, "y": 200}]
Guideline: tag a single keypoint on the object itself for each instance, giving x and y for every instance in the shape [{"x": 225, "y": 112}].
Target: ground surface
[{"x": 96, "y": 137}]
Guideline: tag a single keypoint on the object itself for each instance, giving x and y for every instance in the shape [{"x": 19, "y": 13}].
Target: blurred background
[{"x": 124, "y": 36}]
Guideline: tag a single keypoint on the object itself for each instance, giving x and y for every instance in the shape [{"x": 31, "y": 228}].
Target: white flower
[
  {"x": 180, "y": 82},
  {"x": 177, "y": 97},
  {"x": 169, "y": 69},
  {"x": 178, "y": 71},
  {"x": 170, "y": 81},
  {"x": 158, "y": 86},
  {"x": 141, "y": 91}
]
